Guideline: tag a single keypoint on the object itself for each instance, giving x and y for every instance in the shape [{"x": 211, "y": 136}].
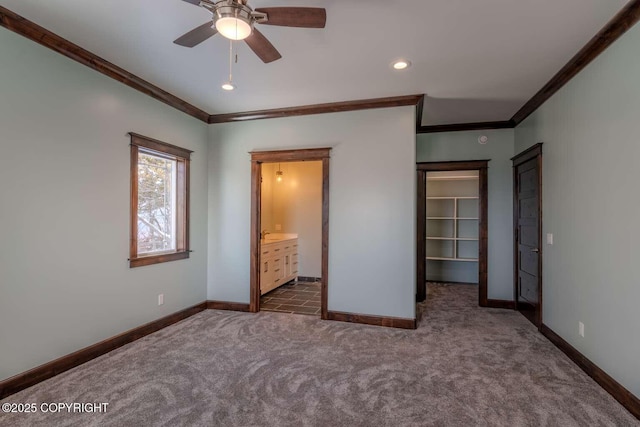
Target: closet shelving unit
[{"x": 452, "y": 222}]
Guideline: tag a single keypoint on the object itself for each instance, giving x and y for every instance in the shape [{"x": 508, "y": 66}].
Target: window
[{"x": 159, "y": 202}]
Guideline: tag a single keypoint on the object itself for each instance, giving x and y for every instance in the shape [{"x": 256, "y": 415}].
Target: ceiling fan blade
[
  {"x": 196, "y": 2},
  {"x": 305, "y": 17},
  {"x": 262, "y": 47},
  {"x": 197, "y": 35}
]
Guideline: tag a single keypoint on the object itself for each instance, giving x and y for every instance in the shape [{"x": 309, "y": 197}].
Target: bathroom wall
[
  {"x": 295, "y": 204},
  {"x": 266, "y": 193}
]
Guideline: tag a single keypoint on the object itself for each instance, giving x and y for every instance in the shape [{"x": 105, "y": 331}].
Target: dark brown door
[{"x": 527, "y": 217}]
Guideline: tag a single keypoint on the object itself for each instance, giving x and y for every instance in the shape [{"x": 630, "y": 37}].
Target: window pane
[{"x": 156, "y": 204}]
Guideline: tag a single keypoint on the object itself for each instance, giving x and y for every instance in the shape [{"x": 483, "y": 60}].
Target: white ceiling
[{"x": 477, "y": 60}]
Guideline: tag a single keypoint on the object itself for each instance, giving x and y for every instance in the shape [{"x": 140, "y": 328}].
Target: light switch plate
[{"x": 549, "y": 238}]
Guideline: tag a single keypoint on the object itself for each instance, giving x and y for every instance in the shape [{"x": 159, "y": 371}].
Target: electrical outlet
[
  {"x": 549, "y": 238},
  {"x": 278, "y": 227},
  {"x": 160, "y": 299},
  {"x": 581, "y": 329}
]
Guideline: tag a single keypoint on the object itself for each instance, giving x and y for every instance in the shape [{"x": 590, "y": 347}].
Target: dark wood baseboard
[
  {"x": 51, "y": 369},
  {"x": 392, "y": 322},
  {"x": 500, "y": 303},
  {"x": 48, "y": 370},
  {"x": 225, "y": 305},
  {"x": 614, "y": 388}
]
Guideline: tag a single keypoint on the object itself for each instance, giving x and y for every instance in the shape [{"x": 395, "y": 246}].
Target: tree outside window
[{"x": 159, "y": 201}]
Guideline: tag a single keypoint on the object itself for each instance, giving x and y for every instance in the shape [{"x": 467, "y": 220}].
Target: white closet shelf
[
  {"x": 453, "y": 198},
  {"x": 451, "y": 212},
  {"x": 433, "y": 258},
  {"x": 458, "y": 177},
  {"x": 467, "y": 239},
  {"x": 450, "y": 217}
]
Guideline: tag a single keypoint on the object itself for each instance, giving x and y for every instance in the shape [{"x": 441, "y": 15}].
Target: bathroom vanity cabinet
[{"x": 278, "y": 263}]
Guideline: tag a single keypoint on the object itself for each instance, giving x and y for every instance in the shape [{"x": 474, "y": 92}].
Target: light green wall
[
  {"x": 371, "y": 214},
  {"x": 591, "y": 203},
  {"x": 450, "y": 146},
  {"x": 64, "y": 211}
]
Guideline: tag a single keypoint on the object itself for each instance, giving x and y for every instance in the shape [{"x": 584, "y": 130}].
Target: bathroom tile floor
[{"x": 293, "y": 297}]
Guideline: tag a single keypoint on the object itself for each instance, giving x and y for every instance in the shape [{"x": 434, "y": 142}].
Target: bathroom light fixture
[
  {"x": 233, "y": 21},
  {"x": 279, "y": 174},
  {"x": 401, "y": 64}
]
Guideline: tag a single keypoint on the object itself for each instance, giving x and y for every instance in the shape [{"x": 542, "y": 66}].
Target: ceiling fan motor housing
[
  {"x": 235, "y": 20},
  {"x": 237, "y": 9}
]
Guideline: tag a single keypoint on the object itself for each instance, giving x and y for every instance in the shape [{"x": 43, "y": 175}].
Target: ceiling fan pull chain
[{"x": 230, "y": 60}]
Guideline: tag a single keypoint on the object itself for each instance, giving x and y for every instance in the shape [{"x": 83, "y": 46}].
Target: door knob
[{"x": 536, "y": 250}]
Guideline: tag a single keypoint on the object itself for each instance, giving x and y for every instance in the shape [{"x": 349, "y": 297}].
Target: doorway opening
[
  {"x": 452, "y": 226},
  {"x": 527, "y": 233},
  {"x": 290, "y": 231}
]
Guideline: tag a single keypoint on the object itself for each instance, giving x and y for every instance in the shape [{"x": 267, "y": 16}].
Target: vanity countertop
[{"x": 278, "y": 237}]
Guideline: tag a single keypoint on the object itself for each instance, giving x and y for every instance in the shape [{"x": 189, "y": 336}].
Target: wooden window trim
[{"x": 183, "y": 158}]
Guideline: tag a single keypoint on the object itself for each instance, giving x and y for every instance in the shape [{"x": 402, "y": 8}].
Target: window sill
[{"x": 157, "y": 259}]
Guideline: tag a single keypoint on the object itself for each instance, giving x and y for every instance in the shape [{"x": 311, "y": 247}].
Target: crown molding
[
  {"x": 456, "y": 127},
  {"x": 305, "y": 110},
  {"x": 41, "y": 35},
  {"x": 612, "y": 31},
  {"x": 616, "y": 27},
  {"x": 38, "y": 34}
]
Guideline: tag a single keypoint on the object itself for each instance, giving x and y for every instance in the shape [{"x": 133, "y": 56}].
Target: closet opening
[
  {"x": 289, "y": 231},
  {"x": 452, "y": 228}
]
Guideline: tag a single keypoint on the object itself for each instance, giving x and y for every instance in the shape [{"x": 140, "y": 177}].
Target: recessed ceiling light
[
  {"x": 401, "y": 64},
  {"x": 228, "y": 86}
]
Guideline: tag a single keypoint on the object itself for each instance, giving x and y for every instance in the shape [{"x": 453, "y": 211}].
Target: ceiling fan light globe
[
  {"x": 228, "y": 86},
  {"x": 233, "y": 28}
]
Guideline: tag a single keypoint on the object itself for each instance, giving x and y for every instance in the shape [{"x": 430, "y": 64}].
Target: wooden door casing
[{"x": 483, "y": 246}]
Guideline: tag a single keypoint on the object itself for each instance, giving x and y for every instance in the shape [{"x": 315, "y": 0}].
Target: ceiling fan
[{"x": 235, "y": 20}]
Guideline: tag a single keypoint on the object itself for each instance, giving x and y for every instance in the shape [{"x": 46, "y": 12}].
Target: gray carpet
[{"x": 464, "y": 366}]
